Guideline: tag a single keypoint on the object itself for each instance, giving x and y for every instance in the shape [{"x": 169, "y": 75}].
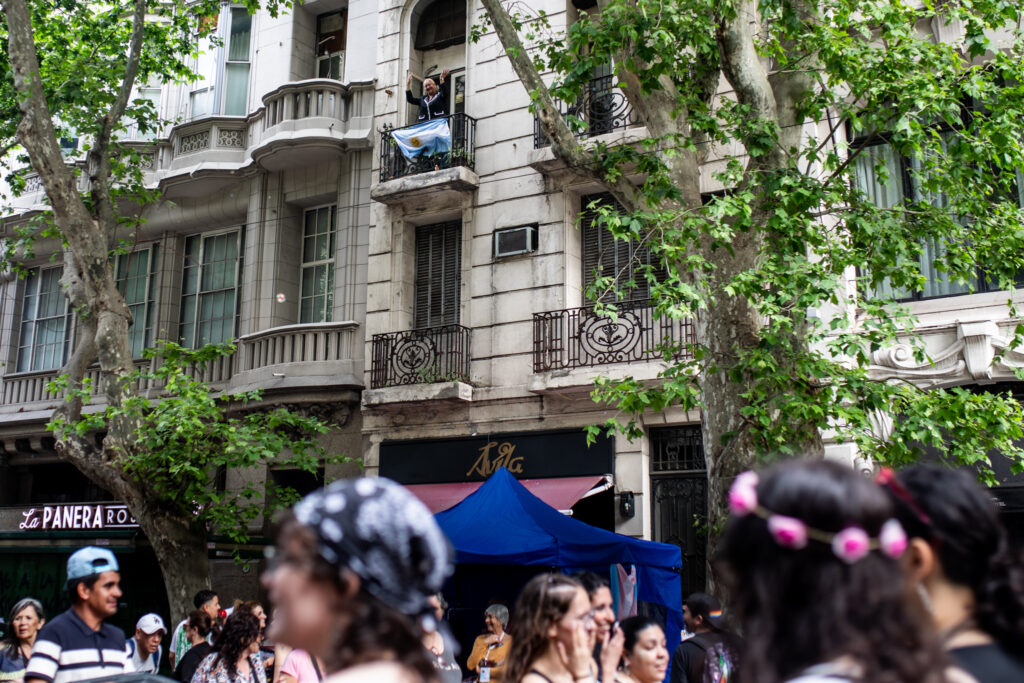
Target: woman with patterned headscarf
[{"x": 355, "y": 568}]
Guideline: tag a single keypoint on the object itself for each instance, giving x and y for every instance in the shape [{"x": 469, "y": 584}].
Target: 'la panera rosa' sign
[{"x": 77, "y": 517}]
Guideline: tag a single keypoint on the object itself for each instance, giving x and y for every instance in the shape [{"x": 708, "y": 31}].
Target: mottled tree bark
[
  {"x": 102, "y": 314},
  {"x": 728, "y": 323}
]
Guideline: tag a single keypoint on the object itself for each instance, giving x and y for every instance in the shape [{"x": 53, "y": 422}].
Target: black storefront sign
[{"x": 527, "y": 455}]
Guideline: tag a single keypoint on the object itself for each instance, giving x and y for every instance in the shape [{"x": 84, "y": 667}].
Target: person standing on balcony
[{"x": 434, "y": 102}]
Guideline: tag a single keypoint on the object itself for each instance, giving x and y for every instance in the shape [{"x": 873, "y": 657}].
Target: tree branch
[
  {"x": 563, "y": 143},
  {"x": 99, "y": 155},
  {"x": 35, "y": 130}
]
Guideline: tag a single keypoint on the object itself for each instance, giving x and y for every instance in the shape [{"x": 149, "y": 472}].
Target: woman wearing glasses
[{"x": 553, "y": 635}]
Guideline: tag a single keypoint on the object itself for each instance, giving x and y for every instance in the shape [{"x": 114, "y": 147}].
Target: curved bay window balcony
[
  {"x": 435, "y": 354},
  {"x": 579, "y": 337},
  {"x": 461, "y": 150},
  {"x": 602, "y": 109}
]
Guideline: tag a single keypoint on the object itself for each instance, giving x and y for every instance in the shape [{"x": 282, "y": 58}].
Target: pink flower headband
[{"x": 849, "y": 545}]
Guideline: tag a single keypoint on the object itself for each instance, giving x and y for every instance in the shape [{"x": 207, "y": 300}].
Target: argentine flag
[{"x": 427, "y": 138}]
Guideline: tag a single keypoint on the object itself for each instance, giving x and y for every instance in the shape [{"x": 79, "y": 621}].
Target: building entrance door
[{"x": 679, "y": 499}]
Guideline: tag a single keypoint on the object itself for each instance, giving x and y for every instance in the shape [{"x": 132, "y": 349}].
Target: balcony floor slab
[
  {"x": 444, "y": 185},
  {"x": 414, "y": 393}
]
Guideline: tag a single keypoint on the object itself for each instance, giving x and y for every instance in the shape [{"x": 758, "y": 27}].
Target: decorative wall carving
[
  {"x": 194, "y": 142},
  {"x": 981, "y": 352},
  {"x": 231, "y": 137}
]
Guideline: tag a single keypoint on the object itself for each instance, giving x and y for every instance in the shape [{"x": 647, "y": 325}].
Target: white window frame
[
  {"x": 143, "y": 312},
  {"x": 196, "y": 304},
  {"x": 30, "y": 320},
  {"x": 310, "y": 266}
]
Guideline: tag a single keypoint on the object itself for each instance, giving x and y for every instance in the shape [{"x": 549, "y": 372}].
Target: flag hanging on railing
[{"x": 427, "y": 138}]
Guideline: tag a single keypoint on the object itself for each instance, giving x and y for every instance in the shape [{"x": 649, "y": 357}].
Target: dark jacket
[{"x": 435, "y": 109}]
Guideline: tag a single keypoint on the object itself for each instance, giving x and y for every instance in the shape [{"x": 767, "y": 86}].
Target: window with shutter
[
  {"x": 438, "y": 274},
  {"x": 605, "y": 256}
]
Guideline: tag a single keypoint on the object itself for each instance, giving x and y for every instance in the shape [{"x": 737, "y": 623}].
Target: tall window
[
  {"x": 136, "y": 276},
  {"x": 45, "y": 322},
  {"x": 903, "y": 184},
  {"x": 317, "y": 299},
  {"x": 330, "y": 45},
  {"x": 236, "y": 68},
  {"x": 605, "y": 256},
  {"x": 209, "y": 289},
  {"x": 438, "y": 274},
  {"x": 223, "y": 83}
]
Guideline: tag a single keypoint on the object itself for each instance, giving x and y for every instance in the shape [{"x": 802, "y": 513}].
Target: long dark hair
[
  {"x": 959, "y": 520},
  {"x": 240, "y": 631},
  {"x": 9, "y": 645},
  {"x": 801, "y": 607},
  {"x": 545, "y": 600},
  {"x": 371, "y": 630}
]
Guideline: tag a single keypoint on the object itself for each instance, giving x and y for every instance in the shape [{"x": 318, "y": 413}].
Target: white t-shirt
[{"x": 136, "y": 664}]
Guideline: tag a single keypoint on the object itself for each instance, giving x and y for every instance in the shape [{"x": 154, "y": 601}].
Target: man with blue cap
[{"x": 77, "y": 644}]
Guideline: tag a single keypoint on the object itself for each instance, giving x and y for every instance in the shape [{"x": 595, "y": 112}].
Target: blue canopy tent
[{"x": 531, "y": 532}]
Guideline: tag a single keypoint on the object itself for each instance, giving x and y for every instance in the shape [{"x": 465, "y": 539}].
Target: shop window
[
  {"x": 443, "y": 23},
  {"x": 136, "y": 276},
  {"x": 902, "y": 185},
  {"x": 317, "y": 288},
  {"x": 438, "y": 274},
  {"x": 330, "y": 45},
  {"x": 606, "y": 256},
  {"x": 209, "y": 290},
  {"x": 45, "y": 322}
]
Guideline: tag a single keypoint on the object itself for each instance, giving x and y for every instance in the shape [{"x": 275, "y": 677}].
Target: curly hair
[
  {"x": 545, "y": 600},
  {"x": 801, "y": 607},
  {"x": 240, "y": 631},
  {"x": 962, "y": 524},
  {"x": 370, "y": 630}
]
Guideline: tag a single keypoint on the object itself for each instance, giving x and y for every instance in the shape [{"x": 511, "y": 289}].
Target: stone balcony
[
  {"x": 306, "y": 121},
  {"x": 308, "y": 358}
]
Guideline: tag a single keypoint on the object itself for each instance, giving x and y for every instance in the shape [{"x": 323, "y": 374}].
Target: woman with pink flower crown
[{"x": 811, "y": 559}]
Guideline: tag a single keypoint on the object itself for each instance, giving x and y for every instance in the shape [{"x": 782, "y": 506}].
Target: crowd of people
[{"x": 831, "y": 577}]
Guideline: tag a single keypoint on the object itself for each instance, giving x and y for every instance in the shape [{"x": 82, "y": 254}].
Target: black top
[
  {"x": 435, "y": 108},
  {"x": 989, "y": 663},
  {"x": 191, "y": 660},
  {"x": 688, "y": 659}
]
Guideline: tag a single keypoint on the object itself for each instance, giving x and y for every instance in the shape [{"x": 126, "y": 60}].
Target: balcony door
[
  {"x": 624, "y": 261},
  {"x": 438, "y": 275}
]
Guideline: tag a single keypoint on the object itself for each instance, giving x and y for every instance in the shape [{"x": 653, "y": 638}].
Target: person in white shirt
[{"x": 144, "y": 649}]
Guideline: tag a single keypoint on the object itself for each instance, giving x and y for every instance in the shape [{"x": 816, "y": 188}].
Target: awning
[{"x": 560, "y": 493}]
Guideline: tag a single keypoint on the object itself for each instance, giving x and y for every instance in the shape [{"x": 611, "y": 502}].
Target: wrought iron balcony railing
[
  {"x": 579, "y": 337},
  {"x": 602, "y": 109},
  {"x": 435, "y": 354},
  {"x": 463, "y": 151}
]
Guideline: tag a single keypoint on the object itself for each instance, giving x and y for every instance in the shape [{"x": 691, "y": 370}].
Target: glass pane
[
  {"x": 308, "y": 281},
  {"x": 309, "y": 249},
  {"x": 241, "y": 27},
  {"x": 199, "y": 102},
  {"x": 236, "y": 88},
  {"x": 306, "y": 311}
]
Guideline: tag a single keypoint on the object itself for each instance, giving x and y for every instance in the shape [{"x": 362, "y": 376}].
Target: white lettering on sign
[{"x": 78, "y": 517}]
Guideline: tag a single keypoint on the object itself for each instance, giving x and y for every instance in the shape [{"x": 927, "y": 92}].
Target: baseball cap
[
  {"x": 91, "y": 560},
  {"x": 150, "y": 624}
]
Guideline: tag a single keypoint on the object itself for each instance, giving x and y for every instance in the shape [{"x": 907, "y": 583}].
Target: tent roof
[{"x": 503, "y": 523}]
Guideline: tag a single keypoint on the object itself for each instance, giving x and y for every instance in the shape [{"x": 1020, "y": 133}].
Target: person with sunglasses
[{"x": 961, "y": 568}]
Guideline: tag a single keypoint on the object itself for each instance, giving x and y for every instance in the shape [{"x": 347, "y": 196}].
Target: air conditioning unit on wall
[{"x": 512, "y": 241}]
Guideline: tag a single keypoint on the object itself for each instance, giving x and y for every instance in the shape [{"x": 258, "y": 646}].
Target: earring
[{"x": 926, "y": 600}]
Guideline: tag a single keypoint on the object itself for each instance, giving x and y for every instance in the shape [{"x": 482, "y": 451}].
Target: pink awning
[{"x": 560, "y": 493}]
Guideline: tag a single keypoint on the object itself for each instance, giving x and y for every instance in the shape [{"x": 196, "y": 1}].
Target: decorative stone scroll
[{"x": 980, "y": 353}]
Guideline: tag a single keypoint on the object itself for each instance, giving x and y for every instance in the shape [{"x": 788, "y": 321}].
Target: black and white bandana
[{"x": 386, "y": 536}]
